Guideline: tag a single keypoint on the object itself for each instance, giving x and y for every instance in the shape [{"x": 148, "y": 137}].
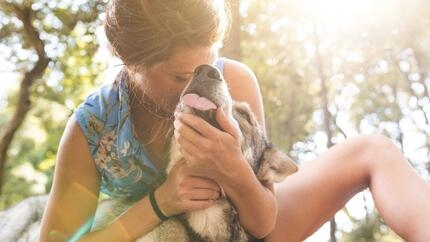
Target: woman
[{"x": 116, "y": 142}]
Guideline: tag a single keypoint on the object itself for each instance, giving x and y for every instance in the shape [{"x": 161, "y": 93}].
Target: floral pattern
[{"x": 120, "y": 158}]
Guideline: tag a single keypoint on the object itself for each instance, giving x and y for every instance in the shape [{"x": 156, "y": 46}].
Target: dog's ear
[{"x": 275, "y": 166}]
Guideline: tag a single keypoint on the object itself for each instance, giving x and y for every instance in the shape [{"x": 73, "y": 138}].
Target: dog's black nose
[{"x": 204, "y": 72}]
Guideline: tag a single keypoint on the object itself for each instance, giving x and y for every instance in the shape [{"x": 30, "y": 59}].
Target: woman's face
[{"x": 163, "y": 82}]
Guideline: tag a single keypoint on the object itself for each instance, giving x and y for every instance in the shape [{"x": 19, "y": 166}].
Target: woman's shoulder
[
  {"x": 241, "y": 79},
  {"x": 236, "y": 70},
  {"x": 100, "y": 109},
  {"x": 97, "y": 103},
  {"x": 244, "y": 86}
]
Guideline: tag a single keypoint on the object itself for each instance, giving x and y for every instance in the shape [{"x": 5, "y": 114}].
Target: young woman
[{"x": 116, "y": 143}]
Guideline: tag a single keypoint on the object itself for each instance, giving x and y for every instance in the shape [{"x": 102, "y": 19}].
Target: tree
[
  {"x": 25, "y": 14},
  {"x": 375, "y": 65},
  {"x": 51, "y": 45},
  {"x": 374, "y": 84}
]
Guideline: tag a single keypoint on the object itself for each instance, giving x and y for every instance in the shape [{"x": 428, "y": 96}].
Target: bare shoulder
[
  {"x": 74, "y": 160},
  {"x": 75, "y": 186},
  {"x": 244, "y": 86},
  {"x": 238, "y": 74}
]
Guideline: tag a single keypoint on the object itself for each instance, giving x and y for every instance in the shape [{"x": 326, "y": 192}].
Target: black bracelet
[{"x": 154, "y": 205}]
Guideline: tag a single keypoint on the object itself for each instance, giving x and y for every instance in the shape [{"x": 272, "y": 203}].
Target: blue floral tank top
[{"x": 124, "y": 167}]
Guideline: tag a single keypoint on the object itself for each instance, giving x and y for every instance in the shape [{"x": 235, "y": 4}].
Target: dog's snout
[
  {"x": 214, "y": 74},
  {"x": 198, "y": 70},
  {"x": 205, "y": 72}
]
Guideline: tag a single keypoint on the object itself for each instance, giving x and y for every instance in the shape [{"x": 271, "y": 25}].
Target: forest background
[{"x": 328, "y": 69}]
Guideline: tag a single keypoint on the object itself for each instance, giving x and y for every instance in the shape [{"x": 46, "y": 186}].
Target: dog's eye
[{"x": 245, "y": 115}]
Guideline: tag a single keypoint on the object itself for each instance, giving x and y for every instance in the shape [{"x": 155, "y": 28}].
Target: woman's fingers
[
  {"x": 198, "y": 124},
  {"x": 206, "y": 129},
  {"x": 189, "y": 150},
  {"x": 198, "y": 205},
  {"x": 195, "y": 183},
  {"x": 198, "y": 194},
  {"x": 185, "y": 132},
  {"x": 226, "y": 124},
  {"x": 184, "y": 190},
  {"x": 197, "y": 131},
  {"x": 192, "y": 145},
  {"x": 204, "y": 183}
]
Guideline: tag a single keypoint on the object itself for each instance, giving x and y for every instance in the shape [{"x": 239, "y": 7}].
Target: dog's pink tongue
[{"x": 195, "y": 101}]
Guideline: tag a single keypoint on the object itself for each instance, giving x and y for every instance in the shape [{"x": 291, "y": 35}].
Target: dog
[{"x": 206, "y": 92}]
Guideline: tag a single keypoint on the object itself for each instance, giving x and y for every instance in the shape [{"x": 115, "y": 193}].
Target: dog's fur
[
  {"x": 21, "y": 222},
  {"x": 220, "y": 222}
]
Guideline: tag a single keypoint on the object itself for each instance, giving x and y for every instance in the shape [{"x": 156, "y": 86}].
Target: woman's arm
[
  {"x": 217, "y": 154},
  {"x": 74, "y": 195},
  {"x": 256, "y": 200}
]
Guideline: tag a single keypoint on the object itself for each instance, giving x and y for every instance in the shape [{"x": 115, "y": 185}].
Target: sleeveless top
[{"x": 121, "y": 160}]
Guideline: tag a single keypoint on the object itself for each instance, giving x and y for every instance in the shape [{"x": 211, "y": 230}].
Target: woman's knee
[{"x": 376, "y": 149}]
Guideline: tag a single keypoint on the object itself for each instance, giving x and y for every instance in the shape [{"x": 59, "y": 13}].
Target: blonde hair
[{"x": 144, "y": 32}]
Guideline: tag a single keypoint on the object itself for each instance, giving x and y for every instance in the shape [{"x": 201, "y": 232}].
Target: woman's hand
[
  {"x": 184, "y": 191},
  {"x": 211, "y": 152},
  {"x": 216, "y": 154}
]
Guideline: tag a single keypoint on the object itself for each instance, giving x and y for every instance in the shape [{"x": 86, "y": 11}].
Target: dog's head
[{"x": 205, "y": 93}]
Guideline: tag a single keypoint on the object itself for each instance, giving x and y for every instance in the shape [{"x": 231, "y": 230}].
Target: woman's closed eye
[{"x": 182, "y": 78}]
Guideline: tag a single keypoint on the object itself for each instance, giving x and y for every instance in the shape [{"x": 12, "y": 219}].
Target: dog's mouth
[
  {"x": 200, "y": 106},
  {"x": 193, "y": 100}
]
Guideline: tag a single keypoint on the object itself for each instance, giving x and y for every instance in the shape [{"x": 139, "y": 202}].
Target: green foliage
[
  {"x": 68, "y": 30},
  {"x": 276, "y": 57},
  {"x": 375, "y": 61},
  {"x": 370, "y": 229},
  {"x": 376, "y": 66}
]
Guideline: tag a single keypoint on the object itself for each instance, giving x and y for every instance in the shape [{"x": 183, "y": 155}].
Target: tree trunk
[
  {"x": 326, "y": 113},
  {"x": 7, "y": 132},
  {"x": 231, "y": 47}
]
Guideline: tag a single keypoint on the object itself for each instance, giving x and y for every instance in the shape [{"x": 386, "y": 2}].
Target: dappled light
[{"x": 328, "y": 71}]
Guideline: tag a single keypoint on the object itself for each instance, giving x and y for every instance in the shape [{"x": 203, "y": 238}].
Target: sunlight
[
  {"x": 340, "y": 8},
  {"x": 27, "y": 172},
  {"x": 354, "y": 13}
]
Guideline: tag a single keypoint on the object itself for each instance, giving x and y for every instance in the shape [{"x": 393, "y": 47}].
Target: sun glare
[
  {"x": 353, "y": 12},
  {"x": 340, "y": 8}
]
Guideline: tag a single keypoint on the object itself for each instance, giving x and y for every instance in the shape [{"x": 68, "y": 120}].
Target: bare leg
[{"x": 307, "y": 199}]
